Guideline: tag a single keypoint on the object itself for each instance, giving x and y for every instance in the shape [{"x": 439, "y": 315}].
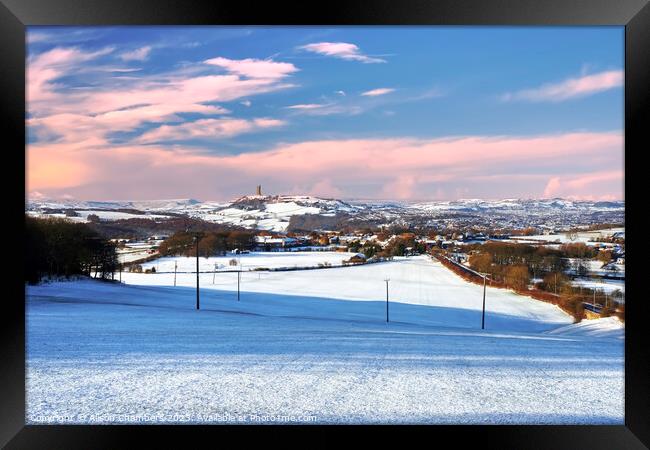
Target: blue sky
[{"x": 216, "y": 100}]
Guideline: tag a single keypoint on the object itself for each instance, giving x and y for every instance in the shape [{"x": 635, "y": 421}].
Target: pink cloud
[
  {"x": 571, "y": 88},
  {"x": 374, "y": 168},
  {"x": 584, "y": 186},
  {"x": 552, "y": 188},
  {"x": 342, "y": 50},
  {"x": 325, "y": 188},
  {"x": 46, "y": 67},
  {"x": 77, "y": 128},
  {"x": 58, "y": 167},
  {"x": 81, "y": 116},
  {"x": 402, "y": 187},
  {"x": 452, "y": 152}
]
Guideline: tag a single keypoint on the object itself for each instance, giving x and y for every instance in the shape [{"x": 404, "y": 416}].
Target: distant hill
[{"x": 275, "y": 212}]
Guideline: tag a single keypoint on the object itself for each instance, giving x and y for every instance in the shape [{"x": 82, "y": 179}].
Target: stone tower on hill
[{"x": 258, "y": 191}]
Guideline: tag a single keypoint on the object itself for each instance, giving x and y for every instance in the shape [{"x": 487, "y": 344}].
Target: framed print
[{"x": 411, "y": 214}]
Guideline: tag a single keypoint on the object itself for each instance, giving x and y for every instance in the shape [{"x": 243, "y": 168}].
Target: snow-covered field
[
  {"x": 585, "y": 237},
  {"x": 604, "y": 285},
  {"x": 247, "y": 261},
  {"x": 103, "y": 215},
  {"x": 313, "y": 346},
  {"x": 132, "y": 255},
  {"x": 597, "y": 268}
]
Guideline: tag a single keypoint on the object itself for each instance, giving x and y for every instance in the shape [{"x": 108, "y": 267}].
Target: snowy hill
[
  {"x": 274, "y": 212},
  {"x": 143, "y": 205},
  {"x": 530, "y": 205},
  {"x": 271, "y": 212}
]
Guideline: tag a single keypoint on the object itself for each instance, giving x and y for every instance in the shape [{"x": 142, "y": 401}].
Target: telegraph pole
[
  {"x": 214, "y": 272},
  {"x": 387, "y": 280},
  {"x": 483, "y": 315},
  {"x": 175, "y": 266},
  {"x": 196, "y": 238},
  {"x": 238, "y": 281}
]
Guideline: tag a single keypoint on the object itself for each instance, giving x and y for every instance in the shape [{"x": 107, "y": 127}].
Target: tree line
[
  {"x": 211, "y": 243},
  {"x": 140, "y": 228},
  {"x": 56, "y": 247},
  {"x": 521, "y": 262},
  {"x": 513, "y": 265}
]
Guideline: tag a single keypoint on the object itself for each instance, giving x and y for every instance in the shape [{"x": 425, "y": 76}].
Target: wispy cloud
[
  {"x": 377, "y": 92},
  {"x": 352, "y": 105},
  {"x": 342, "y": 50},
  {"x": 208, "y": 129},
  {"x": 71, "y": 36},
  {"x": 87, "y": 116},
  {"x": 307, "y": 106},
  {"x": 139, "y": 54},
  {"x": 78, "y": 129},
  {"x": 426, "y": 94},
  {"x": 44, "y": 68},
  {"x": 326, "y": 109},
  {"x": 254, "y": 68},
  {"x": 571, "y": 88}
]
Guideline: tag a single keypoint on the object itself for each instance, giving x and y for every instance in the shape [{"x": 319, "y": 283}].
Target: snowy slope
[
  {"x": 315, "y": 345},
  {"x": 442, "y": 297},
  {"x": 608, "y": 327}
]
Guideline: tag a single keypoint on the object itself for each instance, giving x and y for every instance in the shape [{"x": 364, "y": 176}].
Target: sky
[{"x": 401, "y": 113}]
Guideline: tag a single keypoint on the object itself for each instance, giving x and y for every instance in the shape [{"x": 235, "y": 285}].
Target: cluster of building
[{"x": 337, "y": 241}]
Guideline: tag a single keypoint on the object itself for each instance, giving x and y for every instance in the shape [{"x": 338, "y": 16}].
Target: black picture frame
[{"x": 15, "y": 15}]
